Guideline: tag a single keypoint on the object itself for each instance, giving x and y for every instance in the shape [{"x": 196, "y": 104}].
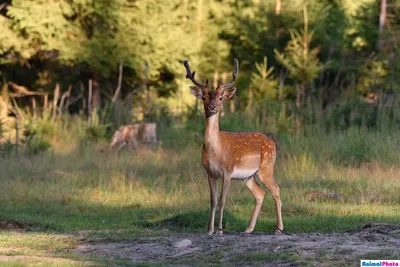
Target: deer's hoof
[
  {"x": 210, "y": 232},
  {"x": 248, "y": 230},
  {"x": 219, "y": 232},
  {"x": 279, "y": 231}
]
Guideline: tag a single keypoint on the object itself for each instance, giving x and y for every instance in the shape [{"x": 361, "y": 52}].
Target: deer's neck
[{"x": 212, "y": 135}]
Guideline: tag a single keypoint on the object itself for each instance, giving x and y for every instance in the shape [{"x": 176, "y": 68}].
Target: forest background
[{"x": 330, "y": 64}]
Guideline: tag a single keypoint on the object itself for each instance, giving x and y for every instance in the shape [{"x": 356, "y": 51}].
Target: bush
[
  {"x": 96, "y": 132},
  {"x": 34, "y": 142},
  {"x": 352, "y": 113},
  {"x": 37, "y": 145},
  {"x": 6, "y": 148},
  {"x": 354, "y": 148}
]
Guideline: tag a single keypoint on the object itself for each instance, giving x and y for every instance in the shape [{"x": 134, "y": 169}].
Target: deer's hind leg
[
  {"x": 266, "y": 176},
  {"x": 259, "y": 194}
]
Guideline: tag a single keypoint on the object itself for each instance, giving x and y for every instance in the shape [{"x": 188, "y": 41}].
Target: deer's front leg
[
  {"x": 224, "y": 193},
  {"x": 213, "y": 201}
]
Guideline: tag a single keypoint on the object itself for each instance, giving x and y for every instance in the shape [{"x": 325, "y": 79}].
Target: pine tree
[
  {"x": 301, "y": 61},
  {"x": 264, "y": 82}
]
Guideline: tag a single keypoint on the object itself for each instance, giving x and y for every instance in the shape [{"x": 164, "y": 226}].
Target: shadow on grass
[
  {"x": 53, "y": 217},
  {"x": 41, "y": 214},
  {"x": 49, "y": 217},
  {"x": 198, "y": 221}
]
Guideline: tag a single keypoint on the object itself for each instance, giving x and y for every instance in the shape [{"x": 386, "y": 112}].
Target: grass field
[{"x": 67, "y": 198}]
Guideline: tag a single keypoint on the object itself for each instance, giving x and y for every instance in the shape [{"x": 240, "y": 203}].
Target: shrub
[
  {"x": 354, "y": 148},
  {"x": 96, "y": 132},
  {"x": 37, "y": 145},
  {"x": 6, "y": 148},
  {"x": 34, "y": 141}
]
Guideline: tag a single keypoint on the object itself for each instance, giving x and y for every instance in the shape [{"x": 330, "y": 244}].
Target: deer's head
[{"x": 212, "y": 98}]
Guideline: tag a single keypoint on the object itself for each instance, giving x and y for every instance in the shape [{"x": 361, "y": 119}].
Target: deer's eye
[
  {"x": 203, "y": 97},
  {"x": 221, "y": 98}
]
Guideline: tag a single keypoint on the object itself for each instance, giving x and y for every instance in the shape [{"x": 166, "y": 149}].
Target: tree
[
  {"x": 301, "y": 61},
  {"x": 264, "y": 82}
]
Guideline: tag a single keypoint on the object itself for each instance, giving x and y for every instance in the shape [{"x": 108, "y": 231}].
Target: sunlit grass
[
  {"x": 18, "y": 261},
  {"x": 39, "y": 241},
  {"x": 120, "y": 195},
  {"x": 146, "y": 188},
  {"x": 35, "y": 249}
]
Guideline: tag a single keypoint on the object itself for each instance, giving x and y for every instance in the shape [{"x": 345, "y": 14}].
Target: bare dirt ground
[{"x": 373, "y": 241}]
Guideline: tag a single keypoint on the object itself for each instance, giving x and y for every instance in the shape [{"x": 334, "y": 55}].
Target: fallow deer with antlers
[{"x": 241, "y": 155}]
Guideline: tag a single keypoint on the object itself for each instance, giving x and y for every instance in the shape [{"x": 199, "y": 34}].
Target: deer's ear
[
  {"x": 228, "y": 93},
  {"x": 196, "y": 91}
]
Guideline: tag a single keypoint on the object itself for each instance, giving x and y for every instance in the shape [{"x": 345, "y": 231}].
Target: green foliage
[
  {"x": 34, "y": 141},
  {"x": 353, "y": 148},
  {"x": 361, "y": 113},
  {"x": 264, "y": 82},
  {"x": 373, "y": 77},
  {"x": 68, "y": 42},
  {"x": 301, "y": 61},
  {"x": 96, "y": 132},
  {"x": 36, "y": 146},
  {"x": 99, "y": 130},
  {"x": 12, "y": 42},
  {"x": 45, "y": 26},
  {"x": 6, "y": 148}
]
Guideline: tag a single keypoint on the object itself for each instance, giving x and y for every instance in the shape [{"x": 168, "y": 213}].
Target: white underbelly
[{"x": 239, "y": 173}]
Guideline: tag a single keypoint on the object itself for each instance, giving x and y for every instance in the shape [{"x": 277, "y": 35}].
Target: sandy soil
[{"x": 373, "y": 241}]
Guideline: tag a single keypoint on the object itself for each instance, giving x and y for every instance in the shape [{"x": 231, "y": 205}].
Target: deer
[
  {"x": 134, "y": 136},
  {"x": 234, "y": 155}
]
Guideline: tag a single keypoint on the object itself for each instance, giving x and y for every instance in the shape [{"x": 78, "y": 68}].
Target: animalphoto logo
[{"x": 391, "y": 263}]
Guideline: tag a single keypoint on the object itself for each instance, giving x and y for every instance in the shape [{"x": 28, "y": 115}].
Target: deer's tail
[{"x": 274, "y": 138}]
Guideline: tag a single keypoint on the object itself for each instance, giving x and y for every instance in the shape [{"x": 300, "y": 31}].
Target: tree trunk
[
  {"x": 96, "y": 97},
  {"x": 216, "y": 77},
  {"x": 120, "y": 73},
  {"x": 199, "y": 19},
  {"x": 4, "y": 102},
  {"x": 82, "y": 111},
  {"x": 3, "y": 109},
  {"x": 90, "y": 103},
  {"x": 282, "y": 76},
  {"x": 310, "y": 109},
  {"x": 299, "y": 93},
  {"x": 278, "y": 6},
  {"x": 232, "y": 104},
  {"x": 382, "y": 16},
  {"x": 45, "y": 102},
  {"x": 34, "y": 108},
  {"x": 382, "y": 23},
  {"x": 116, "y": 96},
  {"x": 249, "y": 107},
  {"x": 55, "y": 100},
  {"x": 16, "y": 134},
  {"x": 64, "y": 97},
  {"x": 146, "y": 81}
]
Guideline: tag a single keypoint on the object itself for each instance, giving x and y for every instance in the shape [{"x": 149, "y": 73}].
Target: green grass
[
  {"x": 118, "y": 196},
  {"x": 260, "y": 258},
  {"x": 384, "y": 254}
]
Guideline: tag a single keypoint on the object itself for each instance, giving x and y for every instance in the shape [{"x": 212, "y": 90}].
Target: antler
[
  {"x": 190, "y": 75},
  {"x": 234, "y": 74}
]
